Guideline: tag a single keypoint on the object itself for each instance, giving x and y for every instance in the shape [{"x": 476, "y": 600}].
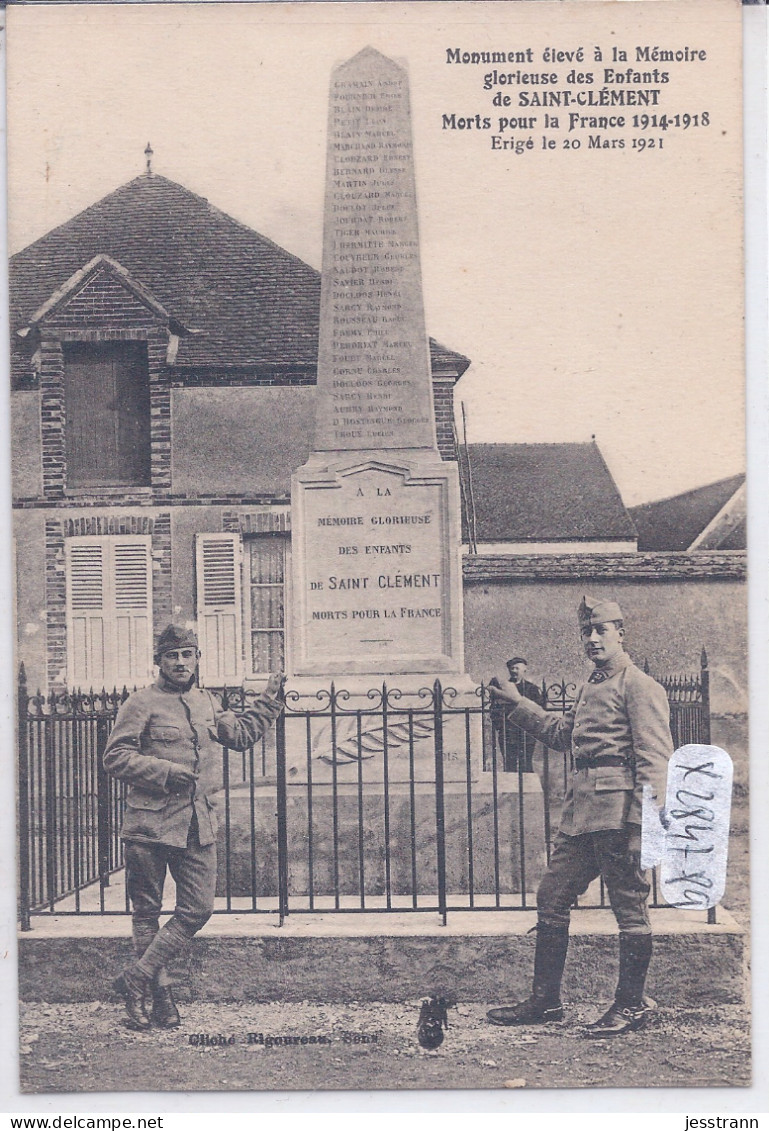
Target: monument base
[
  {"x": 348, "y": 728},
  {"x": 361, "y": 770},
  {"x": 351, "y": 841}
]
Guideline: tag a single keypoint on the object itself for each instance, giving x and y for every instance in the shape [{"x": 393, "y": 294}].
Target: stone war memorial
[
  {"x": 377, "y": 577},
  {"x": 377, "y": 568}
]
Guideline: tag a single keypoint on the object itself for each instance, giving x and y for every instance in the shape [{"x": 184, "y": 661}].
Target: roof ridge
[
  {"x": 534, "y": 443},
  {"x": 82, "y": 212},
  {"x": 448, "y": 349},
  {"x": 692, "y": 491},
  {"x": 203, "y": 200},
  {"x": 256, "y": 302},
  {"x": 264, "y": 239}
]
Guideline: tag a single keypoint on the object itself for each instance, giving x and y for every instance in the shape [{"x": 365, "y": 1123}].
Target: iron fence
[{"x": 384, "y": 801}]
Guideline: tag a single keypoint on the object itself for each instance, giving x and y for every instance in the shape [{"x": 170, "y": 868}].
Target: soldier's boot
[
  {"x": 164, "y": 1012},
  {"x": 134, "y": 988},
  {"x": 544, "y": 1004},
  {"x": 631, "y": 1008}
]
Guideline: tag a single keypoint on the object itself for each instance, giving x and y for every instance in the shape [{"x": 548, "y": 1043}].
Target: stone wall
[{"x": 670, "y": 615}]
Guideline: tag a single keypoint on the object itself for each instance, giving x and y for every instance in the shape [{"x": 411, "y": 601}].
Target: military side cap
[
  {"x": 598, "y": 612},
  {"x": 175, "y": 636}
]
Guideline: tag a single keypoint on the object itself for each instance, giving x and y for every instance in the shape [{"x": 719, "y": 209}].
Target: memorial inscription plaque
[{"x": 378, "y": 575}]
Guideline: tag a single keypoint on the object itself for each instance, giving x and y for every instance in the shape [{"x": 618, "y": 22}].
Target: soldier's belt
[{"x": 601, "y": 760}]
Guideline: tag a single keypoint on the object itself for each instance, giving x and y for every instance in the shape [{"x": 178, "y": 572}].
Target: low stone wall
[{"x": 339, "y": 958}]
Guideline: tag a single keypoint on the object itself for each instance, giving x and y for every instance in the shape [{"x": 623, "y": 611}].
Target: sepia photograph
[{"x": 379, "y": 546}]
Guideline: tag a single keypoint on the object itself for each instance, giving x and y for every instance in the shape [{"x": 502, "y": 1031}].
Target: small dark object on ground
[{"x": 432, "y": 1021}]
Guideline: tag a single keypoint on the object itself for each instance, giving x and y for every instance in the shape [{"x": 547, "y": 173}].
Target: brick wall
[
  {"x": 104, "y": 303},
  {"x": 55, "y": 603},
  {"x": 443, "y": 399},
  {"x": 104, "y": 310},
  {"x": 161, "y": 571}
]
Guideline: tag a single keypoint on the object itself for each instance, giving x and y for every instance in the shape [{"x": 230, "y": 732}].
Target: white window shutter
[
  {"x": 219, "y": 610},
  {"x": 132, "y": 590},
  {"x": 87, "y": 611},
  {"x": 109, "y": 611}
]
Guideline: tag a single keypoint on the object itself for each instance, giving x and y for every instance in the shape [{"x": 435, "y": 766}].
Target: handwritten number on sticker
[{"x": 692, "y": 849}]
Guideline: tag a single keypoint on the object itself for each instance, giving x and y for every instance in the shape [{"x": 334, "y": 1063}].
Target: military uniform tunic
[
  {"x": 620, "y": 714},
  {"x": 174, "y": 826},
  {"x": 625, "y": 714},
  {"x": 160, "y": 727}
]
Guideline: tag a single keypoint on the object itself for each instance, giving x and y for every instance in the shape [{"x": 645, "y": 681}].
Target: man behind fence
[
  {"x": 619, "y": 735},
  {"x": 164, "y": 745},
  {"x": 516, "y": 747}
]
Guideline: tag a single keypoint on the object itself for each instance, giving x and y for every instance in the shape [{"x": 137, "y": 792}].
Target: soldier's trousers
[
  {"x": 578, "y": 860},
  {"x": 194, "y": 871}
]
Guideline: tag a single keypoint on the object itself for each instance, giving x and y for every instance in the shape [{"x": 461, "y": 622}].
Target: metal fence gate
[{"x": 379, "y": 807}]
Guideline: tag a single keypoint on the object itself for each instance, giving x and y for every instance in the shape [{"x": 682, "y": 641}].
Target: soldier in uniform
[
  {"x": 515, "y": 746},
  {"x": 619, "y": 735},
  {"x": 167, "y": 745}
]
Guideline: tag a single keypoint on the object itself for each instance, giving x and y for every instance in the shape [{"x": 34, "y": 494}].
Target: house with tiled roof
[
  {"x": 164, "y": 361},
  {"x": 542, "y": 498}
]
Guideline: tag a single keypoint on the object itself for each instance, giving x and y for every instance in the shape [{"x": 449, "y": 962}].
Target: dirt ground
[{"x": 84, "y": 1048}]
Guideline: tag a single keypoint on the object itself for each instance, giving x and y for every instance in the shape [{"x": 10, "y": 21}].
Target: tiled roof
[
  {"x": 545, "y": 493},
  {"x": 251, "y": 302},
  {"x": 674, "y": 523}
]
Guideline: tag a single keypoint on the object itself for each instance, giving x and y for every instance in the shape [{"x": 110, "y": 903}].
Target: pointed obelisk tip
[{"x": 368, "y": 58}]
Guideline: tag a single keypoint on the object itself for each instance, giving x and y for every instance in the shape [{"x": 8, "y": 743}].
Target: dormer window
[{"x": 107, "y": 414}]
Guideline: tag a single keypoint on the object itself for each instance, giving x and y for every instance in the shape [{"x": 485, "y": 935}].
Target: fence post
[
  {"x": 23, "y": 754},
  {"x": 50, "y": 802},
  {"x": 103, "y": 830},
  {"x": 440, "y": 815},
  {"x": 705, "y": 691},
  {"x": 282, "y": 816}
]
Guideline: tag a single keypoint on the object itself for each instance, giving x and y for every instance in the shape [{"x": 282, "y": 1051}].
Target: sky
[{"x": 597, "y": 293}]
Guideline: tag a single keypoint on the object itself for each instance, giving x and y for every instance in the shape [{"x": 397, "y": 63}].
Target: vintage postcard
[{"x": 379, "y": 533}]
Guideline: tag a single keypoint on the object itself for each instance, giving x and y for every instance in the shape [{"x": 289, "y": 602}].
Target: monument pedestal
[
  {"x": 361, "y": 798},
  {"x": 382, "y": 730},
  {"x": 377, "y": 846}
]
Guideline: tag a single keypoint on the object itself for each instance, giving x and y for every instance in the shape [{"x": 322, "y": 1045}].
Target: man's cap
[
  {"x": 517, "y": 660},
  {"x": 598, "y": 612},
  {"x": 175, "y": 636}
]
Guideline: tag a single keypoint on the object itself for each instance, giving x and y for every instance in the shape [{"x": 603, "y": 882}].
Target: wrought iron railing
[{"x": 387, "y": 801}]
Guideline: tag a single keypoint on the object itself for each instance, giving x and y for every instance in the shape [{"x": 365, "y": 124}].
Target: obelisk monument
[{"x": 377, "y": 584}]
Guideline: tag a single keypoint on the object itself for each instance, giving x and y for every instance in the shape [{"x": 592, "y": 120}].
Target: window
[
  {"x": 234, "y": 578},
  {"x": 267, "y": 579},
  {"x": 109, "y": 611},
  {"x": 107, "y": 410},
  {"x": 218, "y": 565}
]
